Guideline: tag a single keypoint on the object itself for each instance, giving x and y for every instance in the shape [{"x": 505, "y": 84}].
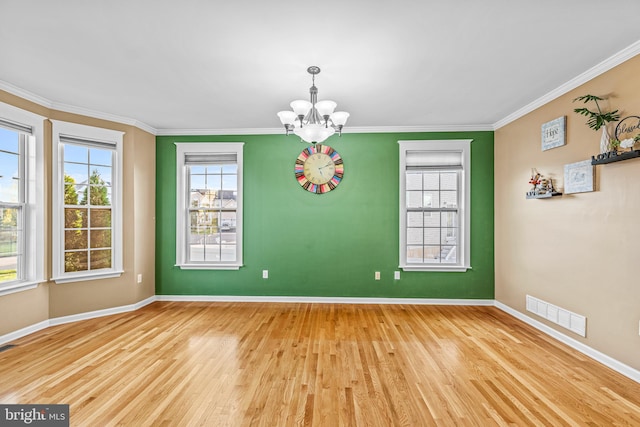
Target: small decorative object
[
  {"x": 553, "y": 133},
  {"x": 605, "y": 141},
  {"x": 627, "y": 134},
  {"x": 578, "y": 177},
  {"x": 319, "y": 169},
  {"x": 542, "y": 187}
]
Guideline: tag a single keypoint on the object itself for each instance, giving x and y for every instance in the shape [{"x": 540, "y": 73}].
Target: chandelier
[{"x": 313, "y": 121}]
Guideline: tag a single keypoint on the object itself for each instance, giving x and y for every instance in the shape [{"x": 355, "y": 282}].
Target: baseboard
[
  {"x": 100, "y": 313},
  {"x": 608, "y": 361},
  {"x": 577, "y": 345},
  {"x": 11, "y": 336},
  {"x": 323, "y": 300},
  {"x": 24, "y": 332}
]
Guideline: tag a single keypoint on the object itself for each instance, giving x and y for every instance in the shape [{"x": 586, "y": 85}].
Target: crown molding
[
  {"x": 44, "y": 102},
  {"x": 593, "y": 72},
  {"x": 104, "y": 116},
  {"x": 361, "y": 129},
  {"x": 24, "y": 94}
]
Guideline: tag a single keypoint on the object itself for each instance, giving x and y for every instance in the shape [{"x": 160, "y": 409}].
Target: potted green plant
[{"x": 597, "y": 119}]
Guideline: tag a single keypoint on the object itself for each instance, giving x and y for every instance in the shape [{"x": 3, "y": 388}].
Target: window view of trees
[{"x": 87, "y": 235}]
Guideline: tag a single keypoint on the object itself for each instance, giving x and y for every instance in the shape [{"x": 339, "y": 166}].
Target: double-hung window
[
  {"x": 21, "y": 200},
  {"x": 209, "y": 205},
  {"x": 434, "y": 205},
  {"x": 87, "y": 197}
]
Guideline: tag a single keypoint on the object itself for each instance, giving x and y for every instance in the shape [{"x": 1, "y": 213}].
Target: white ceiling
[{"x": 231, "y": 65}]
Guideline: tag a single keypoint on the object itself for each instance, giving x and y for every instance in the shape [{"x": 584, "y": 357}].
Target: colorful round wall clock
[{"x": 319, "y": 169}]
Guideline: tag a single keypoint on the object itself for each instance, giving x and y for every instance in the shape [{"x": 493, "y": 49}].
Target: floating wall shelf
[
  {"x": 543, "y": 196},
  {"x": 612, "y": 156}
]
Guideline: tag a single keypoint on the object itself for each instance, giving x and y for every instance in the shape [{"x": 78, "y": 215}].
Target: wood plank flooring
[{"x": 265, "y": 364}]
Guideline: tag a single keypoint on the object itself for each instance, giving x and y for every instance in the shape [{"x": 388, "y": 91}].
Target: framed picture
[
  {"x": 553, "y": 133},
  {"x": 578, "y": 177}
]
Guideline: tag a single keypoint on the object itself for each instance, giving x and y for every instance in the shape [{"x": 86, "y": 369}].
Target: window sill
[
  {"x": 19, "y": 287},
  {"x": 208, "y": 266},
  {"x": 86, "y": 277},
  {"x": 449, "y": 268}
]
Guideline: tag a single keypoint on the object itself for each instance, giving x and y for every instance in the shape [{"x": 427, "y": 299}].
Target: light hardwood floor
[{"x": 241, "y": 364}]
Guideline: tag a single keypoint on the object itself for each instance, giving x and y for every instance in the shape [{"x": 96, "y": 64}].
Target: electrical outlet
[
  {"x": 377, "y": 275},
  {"x": 139, "y": 278},
  {"x": 265, "y": 274},
  {"x": 396, "y": 275}
]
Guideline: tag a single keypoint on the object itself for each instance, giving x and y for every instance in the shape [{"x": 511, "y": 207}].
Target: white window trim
[
  {"x": 93, "y": 134},
  {"x": 463, "y": 145},
  {"x": 34, "y": 200},
  {"x": 182, "y": 198}
]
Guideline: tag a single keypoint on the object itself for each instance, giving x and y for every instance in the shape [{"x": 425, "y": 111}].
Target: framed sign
[
  {"x": 553, "y": 133},
  {"x": 578, "y": 177}
]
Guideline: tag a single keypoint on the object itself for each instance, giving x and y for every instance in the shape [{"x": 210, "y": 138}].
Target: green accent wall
[{"x": 326, "y": 245}]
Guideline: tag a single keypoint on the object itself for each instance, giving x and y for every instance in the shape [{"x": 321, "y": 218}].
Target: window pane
[
  {"x": 75, "y": 218},
  {"x": 431, "y": 199},
  {"x": 9, "y": 177},
  {"x": 449, "y": 236},
  {"x": 431, "y": 180},
  {"x": 75, "y": 153},
  {"x": 196, "y": 252},
  {"x": 414, "y": 199},
  {"x": 197, "y": 182},
  {"x": 70, "y": 193},
  {"x": 449, "y": 181},
  {"x": 212, "y": 253},
  {"x": 100, "y": 217},
  {"x": 197, "y": 169},
  {"x": 79, "y": 194},
  {"x": 76, "y": 261},
  {"x": 448, "y": 254},
  {"x": 215, "y": 169},
  {"x": 100, "y": 259},
  {"x": 100, "y": 238},
  {"x": 9, "y": 140},
  {"x": 8, "y": 242},
  {"x": 101, "y": 175},
  {"x": 414, "y": 219},
  {"x": 432, "y": 219},
  {"x": 100, "y": 195},
  {"x": 414, "y": 181},
  {"x": 449, "y": 219},
  {"x": 432, "y": 254},
  {"x": 101, "y": 157},
  {"x": 414, "y": 254},
  {"x": 449, "y": 199},
  {"x": 8, "y": 268},
  {"x": 414, "y": 236},
  {"x": 79, "y": 172},
  {"x": 75, "y": 239},
  {"x": 232, "y": 169},
  {"x": 229, "y": 182},
  {"x": 228, "y": 253},
  {"x": 431, "y": 236},
  {"x": 228, "y": 225}
]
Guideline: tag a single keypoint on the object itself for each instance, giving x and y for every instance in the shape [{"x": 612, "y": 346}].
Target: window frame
[
  {"x": 464, "y": 203},
  {"x": 102, "y": 136},
  {"x": 33, "y": 199},
  {"x": 183, "y": 197}
]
